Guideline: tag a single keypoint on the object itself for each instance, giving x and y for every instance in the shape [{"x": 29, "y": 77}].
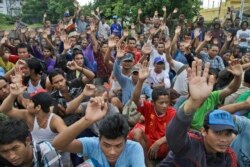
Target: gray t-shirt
[{"x": 95, "y": 127}]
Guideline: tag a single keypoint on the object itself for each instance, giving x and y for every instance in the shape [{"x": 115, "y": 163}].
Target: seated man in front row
[
  {"x": 17, "y": 148},
  {"x": 111, "y": 148}
]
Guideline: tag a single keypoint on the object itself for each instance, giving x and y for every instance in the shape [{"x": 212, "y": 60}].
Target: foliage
[
  {"x": 33, "y": 10},
  {"x": 6, "y": 19},
  {"x": 129, "y": 8}
]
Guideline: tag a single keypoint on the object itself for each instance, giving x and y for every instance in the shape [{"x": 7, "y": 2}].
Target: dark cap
[
  {"x": 78, "y": 47},
  {"x": 219, "y": 120},
  {"x": 40, "y": 96},
  {"x": 66, "y": 14},
  {"x": 159, "y": 60}
]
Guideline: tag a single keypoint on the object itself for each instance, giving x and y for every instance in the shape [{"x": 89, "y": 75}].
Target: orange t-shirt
[{"x": 155, "y": 126}]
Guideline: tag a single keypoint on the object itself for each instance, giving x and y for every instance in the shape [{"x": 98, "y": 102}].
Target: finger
[
  {"x": 206, "y": 70},
  {"x": 211, "y": 80},
  {"x": 193, "y": 72}
]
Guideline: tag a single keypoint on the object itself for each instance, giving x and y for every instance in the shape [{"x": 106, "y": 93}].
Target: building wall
[
  {"x": 209, "y": 14},
  {"x": 10, "y": 7},
  {"x": 3, "y": 7}
]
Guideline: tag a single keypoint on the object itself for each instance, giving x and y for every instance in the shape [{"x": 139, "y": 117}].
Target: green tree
[{"x": 33, "y": 10}]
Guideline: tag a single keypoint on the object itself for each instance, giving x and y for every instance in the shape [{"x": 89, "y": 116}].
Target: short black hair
[
  {"x": 3, "y": 78},
  {"x": 77, "y": 53},
  {"x": 114, "y": 126},
  {"x": 34, "y": 64},
  {"x": 243, "y": 23},
  {"x": 131, "y": 39},
  {"x": 55, "y": 72},
  {"x": 157, "y": 92},
  {"x": 22, "y": 45},
  {"x": 13, "y": 129}
]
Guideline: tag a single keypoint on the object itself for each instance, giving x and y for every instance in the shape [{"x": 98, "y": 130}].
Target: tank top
[
  {"x": 40, "y": 134},
  {"x": 31, "y": 88}
]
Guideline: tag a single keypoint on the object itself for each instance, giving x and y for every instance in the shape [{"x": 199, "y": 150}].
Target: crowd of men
[{"x": 89, "y": 93}]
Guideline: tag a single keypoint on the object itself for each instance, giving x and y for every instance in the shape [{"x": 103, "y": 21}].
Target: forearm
[
  {"x": 200, "y": 47},
  {"x": 7, "y": 104},
  {"x": 232, "y": 108},
  {"x": 137, "y": 92},
  {"x": 176, "y": 133},
  {"x": 224, "y": 47},
  {"x": 169, "y": 58},
  {"x": 144, "y": 57},
  {"x": 94, "y": 42},
  {"x": 174, "y": 43},
  {"x": 74, "y": 104},
  {"x": 162, "y": 140},
  {"x": 87, "y": 73},
  {"x": 64, "y": 138}
]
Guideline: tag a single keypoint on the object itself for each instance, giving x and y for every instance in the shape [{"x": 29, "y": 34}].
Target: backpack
[{"x": 130, "y": 111}]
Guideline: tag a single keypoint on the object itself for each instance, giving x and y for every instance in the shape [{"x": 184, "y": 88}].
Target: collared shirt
[
  {"x": 215, "y": 63},
  {"x": 44, "y": 155}
]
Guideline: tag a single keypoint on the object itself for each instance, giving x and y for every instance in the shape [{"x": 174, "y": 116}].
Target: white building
[{"x": 10, "y": 7}]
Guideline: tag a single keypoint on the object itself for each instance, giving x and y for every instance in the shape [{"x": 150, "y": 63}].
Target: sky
[
  {"x": 206, "y": 3},
  {"x": 84, "y": 2}
]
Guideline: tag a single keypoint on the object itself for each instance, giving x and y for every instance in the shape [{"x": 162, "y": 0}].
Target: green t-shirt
[
  {"x": 3, "y": 117},
  {"x": 244, "y": 97},
  {"x": 212, "y": 101}
]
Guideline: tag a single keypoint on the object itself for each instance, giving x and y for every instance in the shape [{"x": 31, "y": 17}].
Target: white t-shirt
[
  {"x": 155, "y": 78},
  {"x": 155, "y": 54},
  {"x": 243, "y": 35},
  {"x": 181, "y": 83}
]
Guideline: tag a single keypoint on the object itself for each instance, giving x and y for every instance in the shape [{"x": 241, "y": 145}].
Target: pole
[
  {"x": 242, "y": 4},
  {"x": 220, "y": 8}
]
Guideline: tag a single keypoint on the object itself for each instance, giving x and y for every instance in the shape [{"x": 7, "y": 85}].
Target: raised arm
[
  {"x": 65, "y": 141},
  {"x": 226, "y": 43},
  {"x": 175, "y": 39},
  {"x": 177, "y": 135},
  {"x": 236, "y": 70},
  {"x": 93, "y": 38},
  {"x": 208, "y": 38},
  {"x": 146, "y": 50},
  {"x": 111, "y": 45},
  {"x": 234, "y": 107},
  {"x": 143, "y": 75},
  {"x": 73, "y": 106}
]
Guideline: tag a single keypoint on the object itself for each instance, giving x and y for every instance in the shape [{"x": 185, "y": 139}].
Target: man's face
[
  {"x": 141, "y": 38},
  {"x": 23, "y": 53},
  {"x": 82, "y": 18},
  {"x": 159, "y": 67},
  {"x": 47, "y": 24},
  {"x": 104, "y": 48},
  {"x": 156, "y": 40},
  {"x": 217, "y": 141},
  {"x": 160, "y": 48},
  {"x": 16, "y": 42},
  {"x": 112, "y": 148},
  {"x": 84, "y": 43},
  {"x": 67, "y": 19},
  {"x": 79, "y": 59},
  {"x": 4, "y": 89},
  {"x": 59, "y": 82},
  {"x": 16, "y": 152},
  {"x": 127, "y": 64},
  {"x": 213, "y": 51},
  {"x": 161, "y": 104},
  {"x": 135, "y": 76},
  {"x": 181, "y": 17},
  {"x": 237, "y": 22},
  {"x": 131, "y": 44}
]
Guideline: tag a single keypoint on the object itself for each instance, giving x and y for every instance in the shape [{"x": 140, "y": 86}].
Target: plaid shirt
[
  {"x": 215, "y": 63},
  {"x": 44, "y": 155}
]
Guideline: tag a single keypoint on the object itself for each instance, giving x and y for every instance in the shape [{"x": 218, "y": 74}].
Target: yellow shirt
[{"x": 6, "y": 65}]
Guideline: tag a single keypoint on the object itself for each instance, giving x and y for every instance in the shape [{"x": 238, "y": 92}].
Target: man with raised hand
[
  {"x": 111, "y": 148},
  {"x": 211, "y": 146}
]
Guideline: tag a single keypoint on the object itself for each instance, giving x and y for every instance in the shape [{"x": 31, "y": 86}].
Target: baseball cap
[
  {"x": 134, "y": 69},
  {"x": 115, "y": 17},
  {"x": 158, "y": 60},
  {"x": 40, "y": 96},
  {"x": 219, "y": 120},
  {"x": 78, "y": 47},
  {"x": 128, "y": 56},
  {"x": 66, "y": 14}
]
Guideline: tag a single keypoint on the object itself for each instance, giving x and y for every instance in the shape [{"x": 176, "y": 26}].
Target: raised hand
[
  {"x": 208, "y": 36},
  {"x": 17, "y": 88},
  {"x": 178, "y": 30},
  {"x": 132, "y": 26},
  {"x": 6, "y": 33},
  {"x": 92, "y": 27},
  {"x": 44, "y": 35},
  {"x": 200, "y": 84},
  {"x": 96, "y": 109},
  {"x": 63, "y": 37},
  {"x": 72, "y": 65},
  {"x": 125, "y": 33},
  {"x": 235, "y": 68},
  {"x": 156, "y": 13},
  {"x": 120, "y": 53},
  {"x": 139, "y": 11},
  {"x": 146, "y": 49},
  {"x": 111, "y": 42},
  {"x": 3, "y": 40},
  {"x": 23, "y": 30},
  {"x": 229, "y": 37},
  {"x": 164, "y": 9},
  {"x": 152, "y": 31},
  {"x": 89, "y": 90},
  {"x": 92, "y": 12},
  {"x": 143, "y": 71},
  {"x": 197, "y": 33},
  {"x": 175, "y": 10},
  {"x": 163, "y": 27},
  {"x": 32, "y": 34},
  {"x": 67, "y": 44}
]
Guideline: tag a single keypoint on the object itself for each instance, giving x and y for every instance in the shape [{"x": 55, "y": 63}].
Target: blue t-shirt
[
  {"x": 131, "y": 156},
  {"x": 240, "y": 144}
]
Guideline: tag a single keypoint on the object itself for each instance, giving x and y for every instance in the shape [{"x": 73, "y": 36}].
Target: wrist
[
  {"x": 191, "y": 106},
  {"x": 87, "y": 121}
]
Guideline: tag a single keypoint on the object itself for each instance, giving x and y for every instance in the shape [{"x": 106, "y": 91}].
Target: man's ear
[
  {"x": 28, "y": 141},
  {"x": 203, "y": 132},
  {"x": 38, "y": 107}
]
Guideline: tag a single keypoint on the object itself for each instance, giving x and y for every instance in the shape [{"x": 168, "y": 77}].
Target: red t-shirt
[
  {"x": 137, "y": 54},
  {"x": 155, "y": 126}
]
